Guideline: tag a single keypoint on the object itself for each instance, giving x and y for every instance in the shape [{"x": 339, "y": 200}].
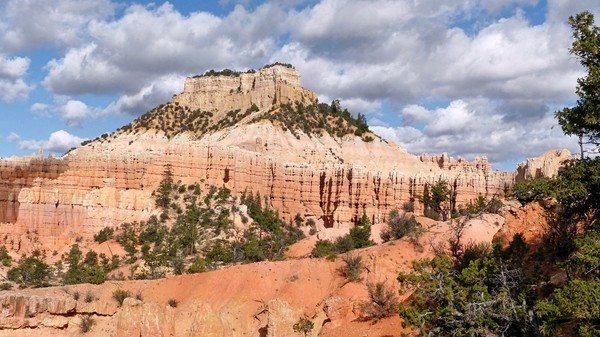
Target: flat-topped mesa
[
  {"x": 258, "y": 132},
  {"x": 219, "y": 92}
]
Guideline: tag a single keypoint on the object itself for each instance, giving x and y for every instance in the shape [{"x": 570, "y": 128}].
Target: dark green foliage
[
  {"x": 489, "y": 297},
  {"x": 399, "y": 226},
  {"x": 573, "y": 309},
  {"x": 104, "y": 234},
  {"x": 359, "y": 237},
  {"x": 193, "y": 242},
  {"x": 527, "y": 191},
  {"x": 173, "y": 303},
  {"x": 287, "y": 65},
  {"x": 583, "y": 120},
  {"x": 408, "y": 206},
  {"x": 382, "y": 303},
  {"x": 352, "y": 267},
  {"x": 163, "y": 194},
  {"x": 361, "y": 125},
  {"x": 224, "y": 72},
  {"x": 298, "y": 220},
  {"x": 6, "y": 286},
  {"x": 436, "y": 200},
  {"x": 472, "y": 251},
  {"x": 120, "y": 295},
  {"x": 303, "y": 326},
  {"x": 198, "y": 266},
  {"x": 81, "y": 270},
  {"x": 578, "y": 190},
  {"x": 5, "y": 257},
  {"x": 361, "y": 233},
  {"x": 323, "y": 248},
  {"x": 315, "y": 120},
  {"x": 431, "y": 214},
  {"x": 31, "y": 271},
  {"x": 576, "y": 306}
]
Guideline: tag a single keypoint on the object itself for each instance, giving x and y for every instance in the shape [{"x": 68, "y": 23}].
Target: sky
[{"x": 467, "y": 77}]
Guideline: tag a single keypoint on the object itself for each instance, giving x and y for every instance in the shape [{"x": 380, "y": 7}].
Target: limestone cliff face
[
  {"x": 264, "y": 88},
  {"x": 49, "y": 202},
  {"x": 106, "y": 183},
  {"x": 546, "y": 165}
]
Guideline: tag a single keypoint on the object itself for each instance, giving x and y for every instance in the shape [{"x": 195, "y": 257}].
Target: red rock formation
[{"x": 49, "y": 202}]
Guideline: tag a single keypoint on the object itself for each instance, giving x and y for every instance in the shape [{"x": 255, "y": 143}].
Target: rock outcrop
[
  {"x": 50, "y": 202},
  {"x": 546, "y": 165},
  {"x": 265, "y": 88}
]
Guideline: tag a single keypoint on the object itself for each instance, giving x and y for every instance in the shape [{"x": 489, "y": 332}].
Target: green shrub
[
  {"x": 382, "y": 302},
  {"x": 352, "y": 267},
  {"x": 527, "y": 191},
  {"x": 473, "y": 251},
  {"x": 323, "y": 248},
  {"x": 120, "y": 295},
  {"x": 6, "y": 286},
  {"x": 494, "y": 206},
  {"x": 303, "y": 326},
  {"x": 31, "y": 271},
  {"x": 431, "y": 214},
  {"x": 198, "y": 266},
  {"x": 76, "y": 295},
  {"x": 105, "y": 234},
  {"x": 173, "y": 303},
  {"x": 408, "y": 206},
  {"x": 87, "y": 322},
  {"x": 343, "y": 244},
  {"x": 399, "y": 226},
  {"x": 5, "y": 257}
]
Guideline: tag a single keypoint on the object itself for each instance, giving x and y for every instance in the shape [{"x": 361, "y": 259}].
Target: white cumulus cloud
[
  {"x": 29, "y": 24},
  {"x": 74, "y": 112},
  {"x": 59, "y": 141},
  {"x": 12, "y": 83}
]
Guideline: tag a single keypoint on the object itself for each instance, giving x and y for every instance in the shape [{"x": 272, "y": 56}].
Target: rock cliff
[
  {"x": 265, "y": 88},
  {"x": 546, "y": 165},
  {"x": 50, "y": 202}
]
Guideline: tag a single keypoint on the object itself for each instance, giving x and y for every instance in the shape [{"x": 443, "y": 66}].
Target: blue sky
[{"x": 466, "y": 77}]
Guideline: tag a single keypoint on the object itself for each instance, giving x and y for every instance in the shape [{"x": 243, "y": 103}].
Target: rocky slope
[
  {"x": 319, "y": 173},
  {"x": 259, "y": 299}
]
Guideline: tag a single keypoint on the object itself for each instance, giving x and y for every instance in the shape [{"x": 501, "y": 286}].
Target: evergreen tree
[{"x": 583, "y": 120}]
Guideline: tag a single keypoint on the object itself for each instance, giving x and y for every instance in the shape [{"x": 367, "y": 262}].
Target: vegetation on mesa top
[
  {"x": 313, "y": 120},
  {"x": 233, "y": 73}
]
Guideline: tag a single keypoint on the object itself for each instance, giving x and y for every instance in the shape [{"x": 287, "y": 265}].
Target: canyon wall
[
  {"x": 51, "y": 202},
  {"x": 107, "y": 183}
]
